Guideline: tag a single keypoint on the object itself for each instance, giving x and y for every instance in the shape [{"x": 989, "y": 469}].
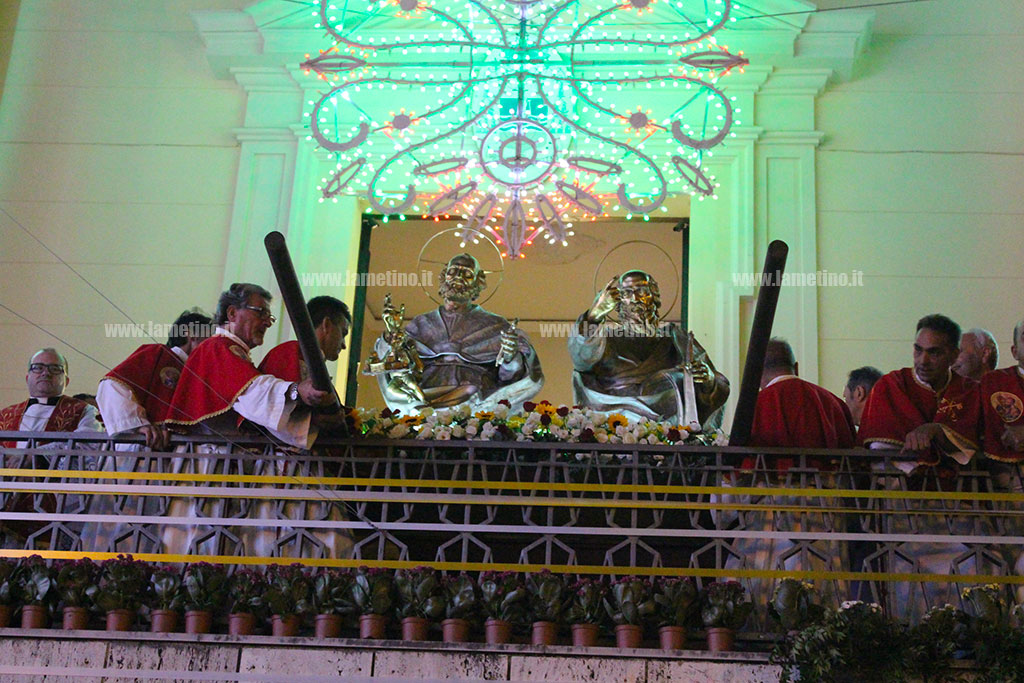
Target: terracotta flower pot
[
  {"x": 75, "y": 618},
  {"x": 628, "y": 635},
  {"x": 163, "y": 621},
  {"x": 327, "y": 625},
  {"x": 497, "y": 631},
  {"x": 120, "y": 619},
  {"x": 198, "y": 621},
  {"x": 285, "y": 625},
  {"x": 544, "y": 633},
  {"x": 33, "y": 616},
  {"x": 720, "y": 639},
  {"x": 455, "y": 630},
  {"x": 415, "y": 628},
  {"x": 5, "y": 615},
  {"x": 672, "y": 637},
  {"x": 372, "y": 626},
  {"x": 585, "y": 635},
  {"x": 241, "y": 623}
]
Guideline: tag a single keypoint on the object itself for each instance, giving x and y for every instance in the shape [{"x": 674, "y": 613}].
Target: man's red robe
[
  {"x": 216, "y": 373},
  {"x": 793, "y": 413},
  {"x": 151, "y": 373},
  {"x": 899, "y": 403},
  {"x": 65, "y": 417},
  {"x": 1002, "y": 405},
  {"x": 284, "y": 361}
]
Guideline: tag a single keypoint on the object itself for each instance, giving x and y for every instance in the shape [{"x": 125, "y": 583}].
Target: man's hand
[
  {"x": 605, "y": 301},
  {"x": 157, "y": 437},
  {"x": 921, "y": 438},
  {"x": 313, "y": 397},
  {"x": 1013, "y": 438}
]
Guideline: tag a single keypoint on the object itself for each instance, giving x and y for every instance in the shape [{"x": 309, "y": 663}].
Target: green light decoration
[{"x": 521, "y": 116}]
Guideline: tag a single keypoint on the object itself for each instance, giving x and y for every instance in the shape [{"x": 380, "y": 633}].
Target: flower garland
[{"x": 538, "y": 422}]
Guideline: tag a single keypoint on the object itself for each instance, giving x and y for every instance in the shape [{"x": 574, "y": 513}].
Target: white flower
[
  {"x": 443, "y": 434},
  {"x": 398, "y": 431},
  {"x": 458, "y": 431},
  {"x": 628, "y": 437},
  {"x": 471, "y": 430},
  {"x": 601, "y": 437}
]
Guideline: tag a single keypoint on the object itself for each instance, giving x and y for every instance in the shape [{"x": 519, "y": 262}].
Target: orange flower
[
  {"x": 614, "y": 420},
  {"x": 411, "y": 420},
  {"x": 484, "y": 415}
]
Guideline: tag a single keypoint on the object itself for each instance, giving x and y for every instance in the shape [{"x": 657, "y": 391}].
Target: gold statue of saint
[
  {"x": 638, "y": 366},
  {"x": 457, "y": 353}
]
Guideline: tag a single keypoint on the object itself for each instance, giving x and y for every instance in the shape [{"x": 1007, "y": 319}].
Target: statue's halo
[
  {"x": 489, "y": 264},
  {"x": 602, "y": 274}
]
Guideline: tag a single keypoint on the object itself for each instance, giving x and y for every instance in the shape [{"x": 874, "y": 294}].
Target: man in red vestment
[
  {"x": 136, "y": 395},
  {"x": 858, "y": 388},
  {"x": 927, "y": 410},
  {"x": 220, "y": 381},
  {"x": 331, "y": 322},
  {"x": 1002, "y": 404},
  {"x": 979, "y": 353}
]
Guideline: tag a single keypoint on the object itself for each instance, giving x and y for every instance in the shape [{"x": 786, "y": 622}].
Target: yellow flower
[
  {"x": 411, "y": 420},
  {"x": 484, "y": 415},
  {"x": 614, "y": 420},
  {"x": 545, "y": 408}
]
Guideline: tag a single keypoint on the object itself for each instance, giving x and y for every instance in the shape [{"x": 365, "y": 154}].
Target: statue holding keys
[
  {"x": 457, "y": 353},
  {"x": 639, "y": 366}
]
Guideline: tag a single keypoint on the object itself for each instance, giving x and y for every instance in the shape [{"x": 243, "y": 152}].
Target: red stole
[
  {"x": 217, "y": 371},
  {"x": 898, "y": 404},
  {"x": 284, "y": 361},
  {"x": 65, "y": 417},
  {"x": 151, "y": 373},
  {"x": 793, "y": 413},
  {"x": 1002, "y": 405}
]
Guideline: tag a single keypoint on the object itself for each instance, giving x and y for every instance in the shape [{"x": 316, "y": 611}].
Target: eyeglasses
[
  {"x": 40, "y": 368},
  {"x": 263, "y": 313}
]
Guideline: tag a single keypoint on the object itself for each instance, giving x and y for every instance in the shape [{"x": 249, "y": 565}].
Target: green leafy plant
[
  {"x": 463, "y": 597},
  {"x": 549, "y": 596},
  {"x": 420, "y": 593},
  {"x": 792, "y": 605},
  {"x": 332, "y": 592},
  {"x": 943, "y": 634},
  {"x": 999, "y": 646},
  {"x": 246, "y": 590},
  {"x": 631, "y": 601},
  {"x": 724, "y": 604},
  {"x": 34, "y": 582},
  {"x": 166, "y": 590},
  {"x": 856, "y": 642},
  {"x": 7, "y": 576},
  {"x": 587, "y": 602},
  {"x": 372, "y": 591},
  {"x": 289, "y": 589},
  {"x": 503, "y": 596},
  {"x": 75, "y": 578},
  {"x": 206, "y": 587},
  {"x": 675, "y": 600},
  {"x": 122, "y": 584}
]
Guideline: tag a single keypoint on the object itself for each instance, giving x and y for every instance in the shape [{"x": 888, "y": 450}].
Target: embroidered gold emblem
[
  {"x": 240, "y": 352},
  {"x": 169, "y": 377},
  {"x": 1007, "y": 406}
]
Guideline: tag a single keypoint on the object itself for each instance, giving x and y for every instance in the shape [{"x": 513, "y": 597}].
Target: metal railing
[{"x": 853, "y": 521}]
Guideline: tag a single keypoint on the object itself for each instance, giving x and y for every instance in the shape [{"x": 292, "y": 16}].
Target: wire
[{"x": 832, "y": 9}]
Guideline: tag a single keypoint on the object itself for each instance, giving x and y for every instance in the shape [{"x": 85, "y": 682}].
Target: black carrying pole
[
  {"x": 760, "y": 333},
  {"x": 295, "y": 304}
]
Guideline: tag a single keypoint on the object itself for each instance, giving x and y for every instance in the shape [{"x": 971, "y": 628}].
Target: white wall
[{"x": 116, "y": 151}]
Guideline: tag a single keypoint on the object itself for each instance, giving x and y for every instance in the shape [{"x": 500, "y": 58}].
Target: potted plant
[
  {"x": 421, "y": 599},
  {"x": 165, "y": 598},
  {"x": 74, "y": 580},
  {"x": 586, "y": 610},
  {"x": 631, "y": 606},
  {"x": 675, "y": 601},
  {"x": 942, "y": 635},
  {"x": 36, "y": 590},
  {"x": 206, "y": 591},
  {"x": 246, "y": 603},
  {"x": 724, "y": 609},
  {"x": 548, "y": 600},
  {"x": 462, "y": 607},
  {"x": 503, "y": 602},
  {"x": 7, "y": 574},
  {"x": 288, "y": 597},
  {"x": 998, "y": 646},
  {"x": 120, "y": 590},
  {"x": 792, "y": 605},
  {"x": 854, "y": 643},
  {"x": 372, "y": 595},
  {"x": 332, "y": 601}
]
